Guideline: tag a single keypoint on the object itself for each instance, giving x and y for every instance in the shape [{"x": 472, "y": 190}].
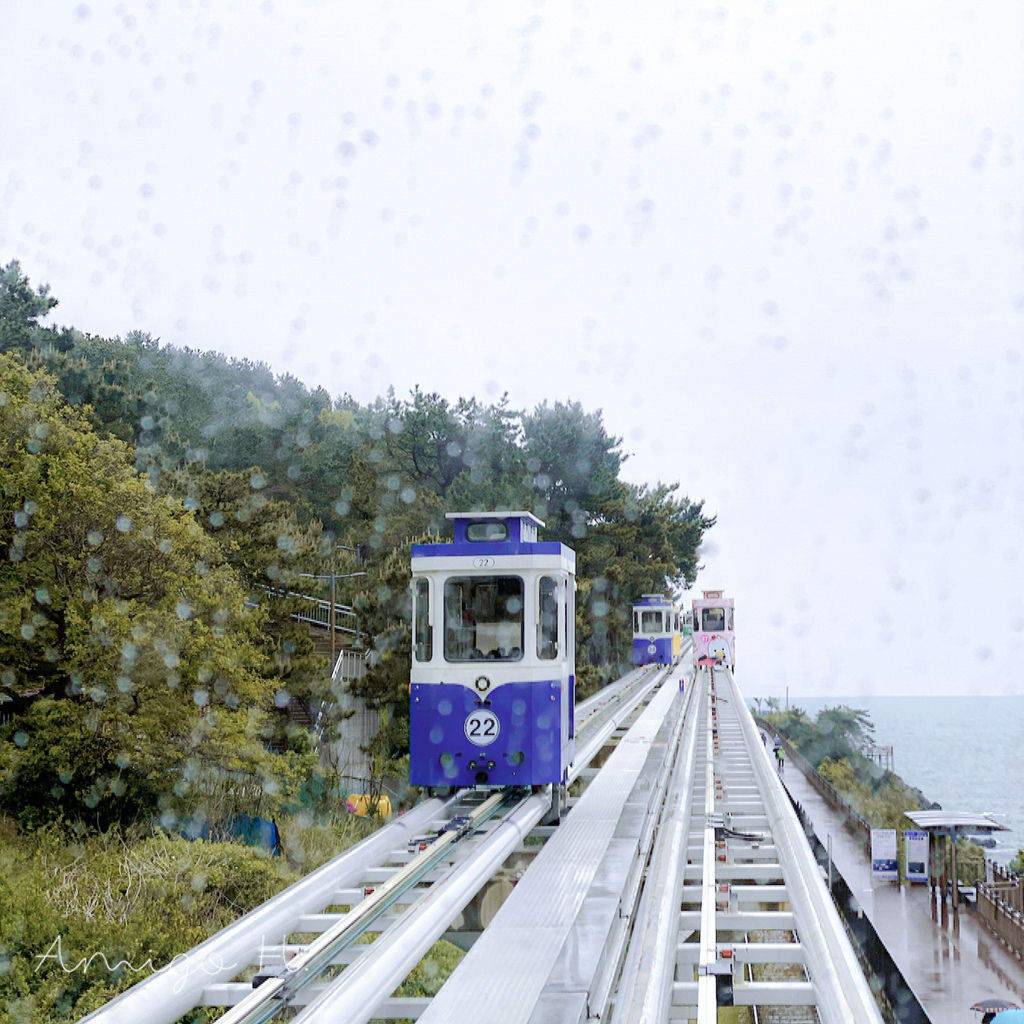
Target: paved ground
[{"x": 947, "y": 972}]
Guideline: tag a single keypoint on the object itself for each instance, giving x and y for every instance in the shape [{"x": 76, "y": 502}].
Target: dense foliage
[
  {"x": 836, "y": 743},
  {"x": 160, "y": 506},
  {"x": 81, "y": 921}
]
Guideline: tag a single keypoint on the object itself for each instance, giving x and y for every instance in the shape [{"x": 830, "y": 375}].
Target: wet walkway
[{"x": 947, "y": 972}]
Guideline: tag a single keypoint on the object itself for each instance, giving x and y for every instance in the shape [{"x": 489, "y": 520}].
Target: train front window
[
  {"x": 547, "y": 626},
  {"x": 486, "y": 531},
  {"x": 713, "y": 620},
  {"x": 483, "y": 618},
  {"x": 650, "y": 622},
  {"x": 423, "y": 646}
]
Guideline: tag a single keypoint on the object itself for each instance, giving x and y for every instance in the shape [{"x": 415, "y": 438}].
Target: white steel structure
[{"x": 680, "y": 881}]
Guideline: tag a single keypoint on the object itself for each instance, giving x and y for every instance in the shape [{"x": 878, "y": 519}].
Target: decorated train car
[
  {"x": 714, "y": 638},
  {"x": 656, "y": 631},
  {"x": 493, "y": 675}
]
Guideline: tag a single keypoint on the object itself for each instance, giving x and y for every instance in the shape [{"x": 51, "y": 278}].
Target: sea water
[{"x": 965, "y": 753}]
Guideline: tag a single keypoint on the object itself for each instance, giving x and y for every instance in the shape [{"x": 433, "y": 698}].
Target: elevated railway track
[{"x": 678, "y": 881}]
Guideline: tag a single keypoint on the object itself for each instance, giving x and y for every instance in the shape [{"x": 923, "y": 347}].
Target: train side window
[
  {"x": 713, "y": 620},
  {"x": 567, "y": 647},
  {"x": 483, "y": 618},
  {"x": 650, "y": 622},
  {"x": 636, "y": 622},
  {"x": 728, "y": 618},
  {"x": 423, "y": 641},
  {"x": 547, "y": 624}
]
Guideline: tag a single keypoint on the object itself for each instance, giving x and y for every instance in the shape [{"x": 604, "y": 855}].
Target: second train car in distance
[
  {"x": 713, "y": 635},
  {"x": 656, "y": 636},
  {"x": 493, "y": 679}
]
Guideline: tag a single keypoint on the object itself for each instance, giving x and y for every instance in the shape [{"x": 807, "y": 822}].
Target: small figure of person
[{"x": 782, "y": 760}]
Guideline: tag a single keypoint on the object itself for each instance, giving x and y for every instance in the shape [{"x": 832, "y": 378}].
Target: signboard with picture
[
  {"x": 884, "y": 862},
  {"x": 915, "y": 855}
]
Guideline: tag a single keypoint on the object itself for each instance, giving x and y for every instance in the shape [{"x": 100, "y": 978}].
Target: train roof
[
  {"x": 646, "y": 599},
  {"x": 496, "y": 533},
  {"x": 495, "y": 515}
]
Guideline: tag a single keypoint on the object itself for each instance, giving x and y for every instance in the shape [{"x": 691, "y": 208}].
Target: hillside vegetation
[{"x": 160, "y": 508}]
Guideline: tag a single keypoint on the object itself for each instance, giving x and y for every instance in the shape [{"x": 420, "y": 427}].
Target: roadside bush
[
  {"x": 81, "y": 922},
  {"x": 308, "y": 844}
]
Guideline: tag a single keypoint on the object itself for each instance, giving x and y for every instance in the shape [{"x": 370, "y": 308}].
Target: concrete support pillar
[
  {"x": 943, "y": 884},
  {"x": 932, "y": 877}
]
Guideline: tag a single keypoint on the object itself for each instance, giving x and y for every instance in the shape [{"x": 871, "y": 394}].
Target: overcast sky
[{"x": 779, "y": 244}]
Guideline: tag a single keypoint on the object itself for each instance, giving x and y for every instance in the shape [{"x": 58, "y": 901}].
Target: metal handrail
[
  {"x": 843, "y": 992},
  {"x": 321, "y": 611}
]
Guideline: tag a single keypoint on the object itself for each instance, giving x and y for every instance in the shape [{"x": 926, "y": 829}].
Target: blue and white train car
[
  {"x": 656, "y": 631},
  {"x": 493, "y": 683}
]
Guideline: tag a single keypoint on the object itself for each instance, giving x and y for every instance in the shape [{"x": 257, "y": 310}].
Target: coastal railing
[
  {"x": 1000, "y": 902},
  {"x": 1001, "y": 918},
  {"x": 1001, "y": 907},
  {"x": 858, "y": 825},
  {"x": 1010, "y": 886}
]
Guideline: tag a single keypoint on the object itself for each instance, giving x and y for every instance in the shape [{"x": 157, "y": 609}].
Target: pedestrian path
[{"x": 946, "y": 971}]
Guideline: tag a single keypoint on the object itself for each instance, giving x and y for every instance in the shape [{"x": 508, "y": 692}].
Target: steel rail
[
  {"x": 361, "y": 989},
  {"x": 605, "y": 727},
  {"x": 721, "y": 758},
  {"x": 173, "y": 990},
  {"x": 645, "y": 985},
  {"x": 707, "y": 995},
  {"x": 265, "y": 1002},
  {"x": 358, "y": 992},
  {"x": 608, "y": 971},
  {"x": 842, "y": 990}
]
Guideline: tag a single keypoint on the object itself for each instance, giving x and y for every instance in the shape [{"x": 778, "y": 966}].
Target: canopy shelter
[{"x": 948, "y": 823}]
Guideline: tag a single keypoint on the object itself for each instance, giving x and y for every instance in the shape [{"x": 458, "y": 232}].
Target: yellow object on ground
[{"x": 361, "y": 805}]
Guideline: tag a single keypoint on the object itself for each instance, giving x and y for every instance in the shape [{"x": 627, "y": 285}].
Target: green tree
[
  {"x": 277, "y": 557},
  {"x": 122, "y": 626},
  {"x": 21, "y": 307},
  {"x": 574, "y": 465}
]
